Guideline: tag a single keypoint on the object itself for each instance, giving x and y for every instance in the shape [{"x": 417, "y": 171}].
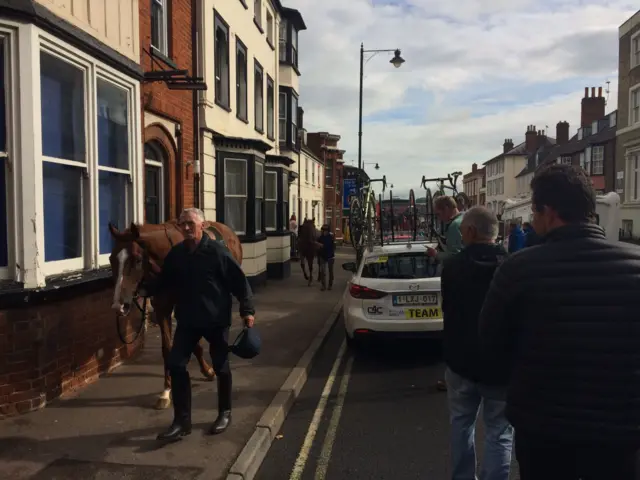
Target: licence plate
[
  {"x": 415, "y": 299},
  {"x": 418, "y": 313}
]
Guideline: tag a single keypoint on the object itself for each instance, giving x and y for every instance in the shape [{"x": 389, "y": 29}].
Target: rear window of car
[{"x": 401, "y": 265}]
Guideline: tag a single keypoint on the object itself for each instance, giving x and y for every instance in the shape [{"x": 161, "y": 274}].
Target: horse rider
[{"x": 204, "y": 275}]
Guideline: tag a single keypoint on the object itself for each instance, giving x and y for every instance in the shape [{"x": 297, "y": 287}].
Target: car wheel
[{"x": 352, "y": 342}]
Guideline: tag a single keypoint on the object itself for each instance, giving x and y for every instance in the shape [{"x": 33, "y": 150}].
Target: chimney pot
[
  {"x": 593, "y": 91},
  {"x": 599, "y": 91},
  {"x": 586, "y": 92}
]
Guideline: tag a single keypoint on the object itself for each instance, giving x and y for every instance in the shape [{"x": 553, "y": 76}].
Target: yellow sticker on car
[
  {"x": 380, "y": 259},
  {"x": 419, "y": 313}
]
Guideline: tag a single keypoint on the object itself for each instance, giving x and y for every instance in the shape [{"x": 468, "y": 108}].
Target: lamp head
[{"x": 397, "y": 60}]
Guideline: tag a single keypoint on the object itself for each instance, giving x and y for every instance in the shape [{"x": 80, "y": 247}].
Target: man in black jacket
[
  {"x": 473, "y": 378},
  {"x": 565, "y": 316},
  {"x": 204, "y": 275}
]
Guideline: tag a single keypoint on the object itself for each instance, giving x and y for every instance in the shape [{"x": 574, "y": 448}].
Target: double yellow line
[{"x": 330, "y": 436}]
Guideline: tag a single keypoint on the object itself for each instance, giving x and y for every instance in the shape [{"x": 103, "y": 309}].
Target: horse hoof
[
  {"x": 209, "y": 374},
  {"x": 163, "y": 403}
]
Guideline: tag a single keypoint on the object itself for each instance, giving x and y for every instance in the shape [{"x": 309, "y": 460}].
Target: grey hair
[
  {"x": 484, "y": 221},
  {"x": 196, "y": 211}
]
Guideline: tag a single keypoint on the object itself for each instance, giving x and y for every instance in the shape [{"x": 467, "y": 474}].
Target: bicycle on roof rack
[
  {"x": 364, "y": 217},
  {"x": 461, "y": 199}
]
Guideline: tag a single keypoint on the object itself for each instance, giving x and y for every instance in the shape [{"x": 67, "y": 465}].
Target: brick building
[
  {"x": 474, "y": 184},
  {"x": 169, "y": 103},
  {"x": 70, "y": 162},
  {"x": 325, "y": 146}
]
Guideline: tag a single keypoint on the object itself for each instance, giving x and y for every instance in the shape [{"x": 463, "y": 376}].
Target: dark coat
[
  {"x": 465, "y": 279},
  {"x": 204, "y": 281},
  {"x": 565, "y": 316}
]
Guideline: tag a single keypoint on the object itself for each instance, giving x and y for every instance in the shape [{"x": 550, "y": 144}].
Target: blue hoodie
[{"x": 516, "y": 239}]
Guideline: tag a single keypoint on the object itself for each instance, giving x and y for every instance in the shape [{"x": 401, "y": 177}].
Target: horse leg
[
  {"x": 205, "y": 368},
  {"x": 304, "y": 270},
  {"x": 164, "y": 322},
  {"x": 310, "y": 262}
]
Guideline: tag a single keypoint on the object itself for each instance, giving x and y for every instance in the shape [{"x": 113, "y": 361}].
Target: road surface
[{"x": 372, "y": 415}]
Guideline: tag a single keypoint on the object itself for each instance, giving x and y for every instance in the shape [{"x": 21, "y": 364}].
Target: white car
[{"x": 394, "y": 292}]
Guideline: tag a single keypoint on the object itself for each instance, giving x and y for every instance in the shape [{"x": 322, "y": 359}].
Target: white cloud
[{"x": 495, "y": 51}]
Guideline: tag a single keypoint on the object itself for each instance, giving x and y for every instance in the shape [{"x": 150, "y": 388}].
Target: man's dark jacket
[
  {"x": 566, "y": 316},
  {"x": 204, "y": 281},
  {"x": 465, "y": 279}
]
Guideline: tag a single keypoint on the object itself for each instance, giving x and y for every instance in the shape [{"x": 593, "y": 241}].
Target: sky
[{"x": 476, "y": 72}]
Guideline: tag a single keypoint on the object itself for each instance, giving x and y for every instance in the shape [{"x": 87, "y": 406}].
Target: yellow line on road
[
  {"x": 303, "y": 455},
  {"x": 332, "y": 429}
]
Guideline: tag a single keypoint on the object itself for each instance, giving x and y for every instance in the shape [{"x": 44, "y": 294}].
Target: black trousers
[
  {"x": 184, "y": 342},
  {"x": 545, "y": 458}
]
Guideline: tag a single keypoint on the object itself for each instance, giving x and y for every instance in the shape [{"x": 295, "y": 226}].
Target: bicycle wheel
[
  {"x": 413, "y": 215},
  {"x": 430, "y": 217},
  {"x": 370, "y": 221},
  {"x": 356, "y": 220},
  {"x": 463, "y": 201}
]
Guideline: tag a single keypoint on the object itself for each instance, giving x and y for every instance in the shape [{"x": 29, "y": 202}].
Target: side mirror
[{"x": 350, "y": 267}]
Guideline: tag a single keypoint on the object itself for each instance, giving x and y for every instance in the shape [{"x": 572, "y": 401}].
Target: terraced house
[
  {"x": 248, "y": 55},
  {"x": 70, "y": 162},
  {"x": 628, "y": 133}
]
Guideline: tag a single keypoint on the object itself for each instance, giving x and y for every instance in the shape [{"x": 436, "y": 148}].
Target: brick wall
[
  {"x": 177, "y": 105},
  {"x": 54, "y": 349}
]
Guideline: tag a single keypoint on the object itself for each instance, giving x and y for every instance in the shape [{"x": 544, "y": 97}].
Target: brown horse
[
  {"x": 307, "y": 247},
  {"x": 136, "y": 258}
]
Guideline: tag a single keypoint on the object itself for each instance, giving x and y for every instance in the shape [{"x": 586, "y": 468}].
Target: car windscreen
[{"x": 401, "y": 265}]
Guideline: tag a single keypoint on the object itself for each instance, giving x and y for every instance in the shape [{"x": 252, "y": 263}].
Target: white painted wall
[{"x": 311, "y": 188}]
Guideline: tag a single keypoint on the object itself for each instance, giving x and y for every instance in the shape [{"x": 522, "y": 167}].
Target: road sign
[{"x": 349, "y": 188}]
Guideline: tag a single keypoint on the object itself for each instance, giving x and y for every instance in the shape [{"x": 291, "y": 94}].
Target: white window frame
[
  {"x": 282, "y": 104},
  {"x": 587, "y": 160},
  {"x": 635, "y": 50},
  {"x": 271, "y": 202},
  {"x": 246, "y": 191},
  {"x": 294, "y": 120},
  {"x": 269, "y": 26},
  {"x": 161, "y": 166},
  {"x": 282, "y": 41},
  {"x": 634, "y": 111},
  {"x": 285, "y": 199},
  {"x": 313, "y": 173},
  {"x": 8, "y": 42},
  {"x": 306, "y": 169},
  {"x": 597, "y": 160},
  {"x": 633, "y": 176},
  {"x": 163, "y": 48},
  {"x": 259, "y": 197},
  {"x": 271, "y": 123}
]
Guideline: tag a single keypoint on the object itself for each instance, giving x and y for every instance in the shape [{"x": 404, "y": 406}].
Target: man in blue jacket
[
  {"x": 516, "y": 238},
  {"x": 326, "y": 256}
]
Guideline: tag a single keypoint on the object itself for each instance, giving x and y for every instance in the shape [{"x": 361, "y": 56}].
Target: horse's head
[{"x": 135, "y": 259}]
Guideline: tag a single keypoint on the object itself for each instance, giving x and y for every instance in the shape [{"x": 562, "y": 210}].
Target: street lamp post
[{"x": 397, "y": 62}]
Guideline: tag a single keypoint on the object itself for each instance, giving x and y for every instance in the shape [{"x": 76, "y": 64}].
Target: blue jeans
[{"x": 465, "y": 398}]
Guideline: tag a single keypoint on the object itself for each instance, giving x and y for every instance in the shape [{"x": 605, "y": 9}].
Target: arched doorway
[{"x": 156, "y": 206}]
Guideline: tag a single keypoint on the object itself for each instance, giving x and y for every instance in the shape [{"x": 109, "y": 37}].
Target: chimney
[
  {"x": 530, "y": 138},
  {"x": 507, "y": 145},
  {"x": 474, "y": 168},
  {"x": 562, "y": 133},
  {"x": 592, "y": 107},
  {"x": 541, "y": 139}
]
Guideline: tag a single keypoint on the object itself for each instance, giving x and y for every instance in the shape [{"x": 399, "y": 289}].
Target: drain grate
[{"x": 65, "y": 469}]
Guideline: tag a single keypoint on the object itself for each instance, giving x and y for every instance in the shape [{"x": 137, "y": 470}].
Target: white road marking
[
  {"x": 305, "y": 449},
  {"x": 332, "y": 429}
]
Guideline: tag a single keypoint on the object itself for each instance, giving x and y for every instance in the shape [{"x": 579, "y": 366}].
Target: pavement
[
  {"x": 108, "y": 430},
  {"x": 374, "y": 414}
]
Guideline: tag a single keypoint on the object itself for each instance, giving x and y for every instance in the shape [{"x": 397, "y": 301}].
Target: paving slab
[{"x": 109, "y": 429}]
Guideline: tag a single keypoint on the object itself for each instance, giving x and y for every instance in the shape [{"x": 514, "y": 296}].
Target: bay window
[
  {"x": 235, "y": 194},
  {"x": 282, "y": 117},
  {"x": 270, "y": 108},
  {"x": 5, "y": 122},
  {"x": 285, "y": 201},
  {"x": 259, "y": 184},
  {"x": 283, "y": 41},
  {"x": 294, "y": 120},
  {"x": 271, "y": 201},
  {"x": 294, "y": 47},
  {"x": 258, "y": 97}
]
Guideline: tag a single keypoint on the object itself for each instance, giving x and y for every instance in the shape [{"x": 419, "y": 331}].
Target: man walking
[
  {"x": 204, "y": 275},
  {"x": 564, "y": 315},
  {"x": 326, "y": 256},
  {"x": 474, "y": 378},
  {"x": 516, "y": 238},
  {"x": 446, "y": 209}
]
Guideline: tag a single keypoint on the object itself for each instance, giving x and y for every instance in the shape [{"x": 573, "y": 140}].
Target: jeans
[
  {"x": 323, "y": 265},
  {"x": 465, "y": 398}
]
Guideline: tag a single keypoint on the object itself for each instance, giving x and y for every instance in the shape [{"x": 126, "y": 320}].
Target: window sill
[
  {"x": 164, "y": 58},
  {"x": 244, "y": 4},
  {"x": 245, "y": 120},
  {"x": 271, "y": 137},
  {"x": 223, "y": 106},
  {"x": 270, "y": 43},
  {"x": 255, "y": 22},
  {"x": 60, "y": 287},
  {"x": 260, "y": 131}
]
